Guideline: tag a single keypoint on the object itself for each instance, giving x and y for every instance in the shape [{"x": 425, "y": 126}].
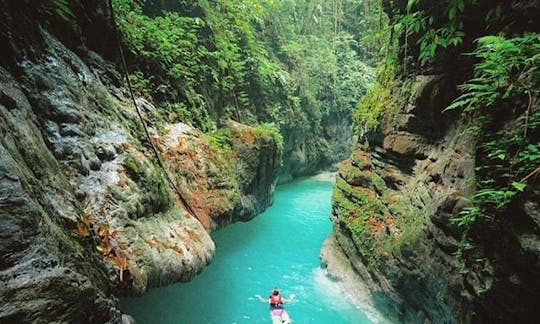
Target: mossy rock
[
  {"x": 355, "y": 176},
  {"x": 132, "y": 167},
  {"x": 378, "y": 183},
  {"x": 152, "y": 193},
  {"x": 356, "y": 202},
  {"x": 361, "y": 159}
]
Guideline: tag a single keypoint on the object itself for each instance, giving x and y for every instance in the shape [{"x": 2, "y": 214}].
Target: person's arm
[
  {"x": 259, "y": 297},
  {"x": 288, "y": 300}
]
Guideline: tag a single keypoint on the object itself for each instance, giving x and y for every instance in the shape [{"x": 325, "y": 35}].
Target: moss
[
  {"x": 221, "y": 165},
  {"x": 354, "y": 206},
  {"x": 103, "y": 101},
  {"x": 377, "y": 226},
  {"x": 356, "y": 177},
  {"x": 408, "y": 223},
  {"x": 370, "y": 108},
  {"x": 411, "y": 232},
  {"x": 378, "y": 182},
  {"x": 132, "y": 167},
  {"x": 152, "y": 193},
  {"x": 220, "y": 140},
  {"x": 343, "y": 207},
  {"x": 270, "y": 129},
  {"x": 158, "y": 199},
  {"x": 357, "y": 194},
  {"x": 392, "y": 111},
  {"x": 360, "y": 158}
]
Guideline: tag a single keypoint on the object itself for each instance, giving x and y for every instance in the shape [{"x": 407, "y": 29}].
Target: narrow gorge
[
  {"x": 131, "y": 131},
  {"x": 108, "y": 188}
]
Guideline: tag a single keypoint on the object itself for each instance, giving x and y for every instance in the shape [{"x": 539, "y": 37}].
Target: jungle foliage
[{"x": 293, "y": 63}]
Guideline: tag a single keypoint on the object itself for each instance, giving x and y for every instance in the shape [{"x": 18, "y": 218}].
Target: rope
[{"x": 147, "y": 134}]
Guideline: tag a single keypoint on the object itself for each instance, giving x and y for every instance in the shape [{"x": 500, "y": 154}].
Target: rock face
[
  {"x": 304, "y": 154},
  {"x": 86, "y": 213},
  {"x": 222, "y": 186},
  {"x": 395, "y": 200},
  {"x": 392, "y": 206}
]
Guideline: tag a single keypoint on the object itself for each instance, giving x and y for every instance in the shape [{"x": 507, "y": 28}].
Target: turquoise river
[{"x": 278, "y": 248}]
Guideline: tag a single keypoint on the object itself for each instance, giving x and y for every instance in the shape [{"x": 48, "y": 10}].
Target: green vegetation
[
  {"x": 132, "y": 167},
  {"x": 500, "y": 97},
  {"x": 445, "y": 32},
  {"x": 507, "y": 69},
  {"x": 296, "y": 64},
  {"x": 220, "y": 140},
  {"x": 156, "y": 197},
  {"x": 361, "y": 211},
  {"x": 271, "y": 130},
  {"x": 506, "y": 75},
  {"x": 371, "y": 107},
  {"x": 58, "y": 8},
  {"x": 378, "y": 99}
]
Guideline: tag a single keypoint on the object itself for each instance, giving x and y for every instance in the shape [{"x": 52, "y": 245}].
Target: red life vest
[{"x": 275, "y": 301}]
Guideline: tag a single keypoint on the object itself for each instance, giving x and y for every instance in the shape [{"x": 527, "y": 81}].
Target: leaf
[
  {"x": 411, "y": 3},
  {"x": 86, "y": 221},
  {"x": 461, "y": 5},
  {"x": 519, "y": 186},
  {"x": 103, "y": 231},
  {"x": 452, "y": 13},
  {"x": 105, "y": 248}
]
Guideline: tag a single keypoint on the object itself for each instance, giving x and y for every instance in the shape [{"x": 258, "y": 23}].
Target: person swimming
[{"x": 277, "y": 312}]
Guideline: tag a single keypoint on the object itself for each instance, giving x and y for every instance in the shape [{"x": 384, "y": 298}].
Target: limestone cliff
[
  {"x": 86, "y": 213},
  {"x": 305, "y": 154},
  {"x": 396, "y": 200}
]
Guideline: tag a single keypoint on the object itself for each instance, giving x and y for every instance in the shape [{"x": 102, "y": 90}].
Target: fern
[
  {"x": 508, "y": 150},
  {"x": 60, "y": 9},
  {"x": 433, "y": 35},
  {"x": 505, "y": 67}
]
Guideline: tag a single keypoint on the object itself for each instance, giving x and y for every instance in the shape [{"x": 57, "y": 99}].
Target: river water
[{"x": 278, "y": 248}]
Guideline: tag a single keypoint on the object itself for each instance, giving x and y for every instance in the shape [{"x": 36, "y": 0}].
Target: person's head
[{"x": 275, "y": 291}]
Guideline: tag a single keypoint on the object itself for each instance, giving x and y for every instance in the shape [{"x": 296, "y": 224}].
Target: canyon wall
[{"x": 398, "y": 199}]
